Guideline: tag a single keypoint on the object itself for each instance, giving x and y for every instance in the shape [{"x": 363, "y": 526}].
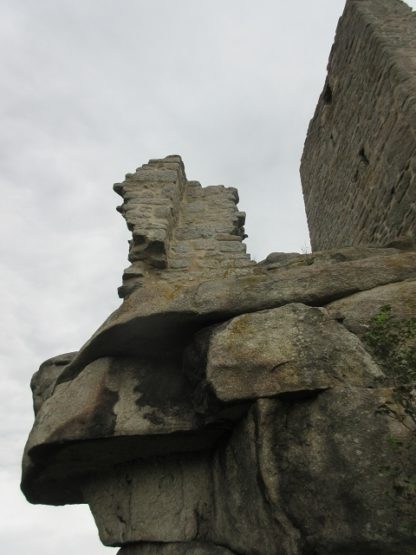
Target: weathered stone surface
[
  {"x": 277, "y": 260},
  {"x": 292, "y": 349},
  {"x": 169, "y": 217},
  {"x": 168, "y": 314},
  {"x": 136, "y": 396},
  {"x": 340, "y": 476},
  {"x": 127, "y": 426},
  {"x": 356, "y": 311},
  {"x": 143, "y": 406},
  {"x": 159, "y": 500},
  {"x": 294, "y": 477},
  {"x": 248, "y": 515},
  {"x": 179, "y": 548},
  {"x": 44, "y": 380},
  {"x": 358, "y": 167},
  {"x": 316, "y": 476},
  {"x": 229, "y": 407},
  {"x": 281, "y": 258}
]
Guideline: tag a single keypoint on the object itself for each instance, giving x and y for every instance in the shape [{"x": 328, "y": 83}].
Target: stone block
[
  {"x": 293, "y": 350},
  {"x": 355, "y": 160},
  {"x": 159, "y": 500}
]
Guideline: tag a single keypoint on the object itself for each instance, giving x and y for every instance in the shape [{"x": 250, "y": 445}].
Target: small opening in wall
[
  {"x": 393, "y": 190},
  {"x": 328, "y": 94},
  {"x": 363, "y": 156}
]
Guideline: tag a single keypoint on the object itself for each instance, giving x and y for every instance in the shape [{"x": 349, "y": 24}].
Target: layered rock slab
[
  {"x": 178, "y": 548},
  {"x": 330, "y": 457},
  {"x": 289, "y": 350},
  {"x": 168, "y": 314}
]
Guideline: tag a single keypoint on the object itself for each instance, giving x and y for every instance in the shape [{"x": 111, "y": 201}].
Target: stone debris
[{"x": 228, "y": 407}]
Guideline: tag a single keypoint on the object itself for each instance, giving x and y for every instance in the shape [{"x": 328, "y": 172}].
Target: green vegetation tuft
[{"x": 392, "y": 342}]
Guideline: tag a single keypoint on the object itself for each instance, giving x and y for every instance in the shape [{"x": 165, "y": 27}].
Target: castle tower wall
[{"x": 359, "y": 161}]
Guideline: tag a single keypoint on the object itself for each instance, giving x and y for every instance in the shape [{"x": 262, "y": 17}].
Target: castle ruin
[
  {"x": 359, "y": 165},
  {"x": 233, "y": 408}
]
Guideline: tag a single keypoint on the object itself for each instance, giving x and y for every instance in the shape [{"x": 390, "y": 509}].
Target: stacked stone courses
[
  {"x": 359, "y": 162},
  {"x": 179, "y": 226}
]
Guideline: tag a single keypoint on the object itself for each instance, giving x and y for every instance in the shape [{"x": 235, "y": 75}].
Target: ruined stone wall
[
  {"x": 234, "y": 408},
  {"x": 359, "y": 162},
  {"x": 179, "y": 229},
  {"x": 228, "y": 407}
]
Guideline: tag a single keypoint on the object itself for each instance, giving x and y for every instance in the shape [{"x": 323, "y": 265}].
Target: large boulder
[
  {"x": 165, "y": 499},
  {"x": 357, "y": 310},
  {"x": 321, "y": 474},
  {"x": 142, "y": 406},
  {"x": 325, "y": 474},
  {"x": 166, "y": 314},
  {"x": 229, "y": 407},
  {"x": 293, "y": 349}
]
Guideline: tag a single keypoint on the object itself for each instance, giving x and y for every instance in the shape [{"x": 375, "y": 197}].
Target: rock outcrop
[
  {"x": 228, "y": 407},
  {"x": 233, "y": 410}
]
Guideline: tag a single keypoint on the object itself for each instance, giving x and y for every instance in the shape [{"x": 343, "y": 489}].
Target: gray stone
[
  {"x": 179, "y": 548},
  {"x": 232, "y": 246},
  {"x": 340, "y": 472},
  {"x": 147, "y": 403},
  {"x": 166, "y": 313},
  {"x": 44, "y": 380},
  {"x": 160, "y": 500},
  {"x": 357, "y": 170},
  {"x": 292, "y": 349},
  {"x": 153, "y": 175},
  {"x": 318, "y": 475},
  {"x": 226, "y": 407},
  {"x": 249, "y": 516},
  {"x": 280, "y": 258},
  {"x": 356, "y": 311}
]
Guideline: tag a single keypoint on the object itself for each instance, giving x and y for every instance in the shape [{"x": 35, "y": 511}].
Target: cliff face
[
  {"x": 229, "y": 407},
  {"x": 359, "y": 163}
]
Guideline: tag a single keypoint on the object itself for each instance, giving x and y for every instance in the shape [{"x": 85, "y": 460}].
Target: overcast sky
[{"x": 90, "y": 90}]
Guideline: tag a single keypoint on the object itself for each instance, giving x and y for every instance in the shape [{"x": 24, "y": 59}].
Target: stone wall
[
  {"x": 179, "y": 229},
  {"x": 359, "y": 162},
  {"x": 237, "y": 415}
]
